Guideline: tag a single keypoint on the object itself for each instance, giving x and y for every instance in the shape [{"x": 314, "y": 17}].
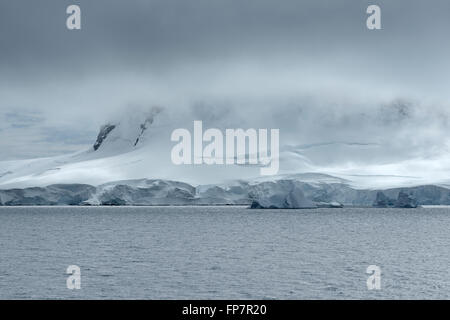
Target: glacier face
[
  {"x": 283, "y": 193},
  {"x": 67, "y": 194}
]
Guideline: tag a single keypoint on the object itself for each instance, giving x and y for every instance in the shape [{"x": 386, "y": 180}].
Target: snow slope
[
  {"x": 138, "y": 146},
  {"x": 134, "y": 148}
]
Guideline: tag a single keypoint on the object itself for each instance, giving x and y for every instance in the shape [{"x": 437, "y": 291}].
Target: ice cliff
[
  {"x": 404, "y": 200},
  {"x": 283, "y": 193}
]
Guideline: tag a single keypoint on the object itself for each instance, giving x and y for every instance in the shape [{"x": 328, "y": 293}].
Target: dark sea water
[{"x": 223, "y": 253}]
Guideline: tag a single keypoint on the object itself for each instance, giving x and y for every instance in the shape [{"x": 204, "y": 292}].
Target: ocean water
[{"x": 223, "y": 253}]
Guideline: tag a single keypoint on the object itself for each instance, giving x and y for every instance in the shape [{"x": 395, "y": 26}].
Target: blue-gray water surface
[{"x": 223, "y": 253}]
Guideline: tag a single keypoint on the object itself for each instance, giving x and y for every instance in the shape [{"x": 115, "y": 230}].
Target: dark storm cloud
[
  {"x": 310, "y": 67},
  {"x": 159, "y": 34}
]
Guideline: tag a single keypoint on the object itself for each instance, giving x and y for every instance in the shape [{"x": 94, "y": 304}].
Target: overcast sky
[{"x": 277, "y": 57}]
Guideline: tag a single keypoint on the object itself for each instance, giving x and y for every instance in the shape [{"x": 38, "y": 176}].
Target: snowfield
[{"x": 129, "y": 164}]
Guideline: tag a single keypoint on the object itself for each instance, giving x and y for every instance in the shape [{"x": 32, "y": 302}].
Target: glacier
[
  {"x": 129, "y": 164},
  {"x": 282, "y": 194}
]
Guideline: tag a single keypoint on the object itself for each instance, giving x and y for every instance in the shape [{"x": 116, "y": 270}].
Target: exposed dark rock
[
  {"x": 148, "y": 121},
  {"x": 104, "y": 131}
]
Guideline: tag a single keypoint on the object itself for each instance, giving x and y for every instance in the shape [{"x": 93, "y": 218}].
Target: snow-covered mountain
[
  {"x": 136, "y": 146},
  {"x": 129, "y": 163}
]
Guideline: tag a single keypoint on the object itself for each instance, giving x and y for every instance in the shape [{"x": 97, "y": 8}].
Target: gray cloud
[
  {"x": 160, "y": 35},
  {"x": 309, "y": 67}
]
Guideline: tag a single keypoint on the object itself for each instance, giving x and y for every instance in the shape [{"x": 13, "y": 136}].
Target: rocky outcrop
[
  {"x": 104, "y": 132},
  {"x": 147, "y": 122},
  {"x": 125, "y": 134}
]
